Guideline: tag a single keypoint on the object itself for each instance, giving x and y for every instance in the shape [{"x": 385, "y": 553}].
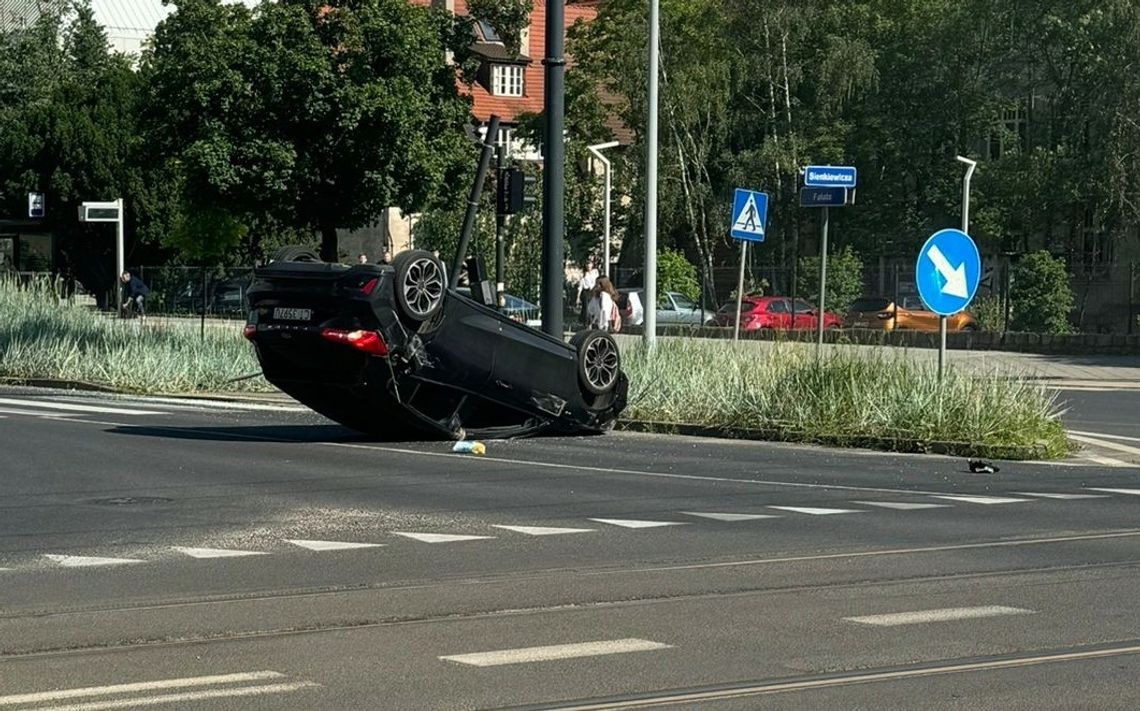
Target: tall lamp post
[
  {"x": 553, "y": 170},
  {"x": 596, "y": 150},
  {"x": 650, "y": 334}
]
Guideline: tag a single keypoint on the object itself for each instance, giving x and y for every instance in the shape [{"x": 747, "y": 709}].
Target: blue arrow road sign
[
  {"x": 829, "y": 176},
  {"x": 947, "y": 272},
  {"x": 749, "y": 215}
]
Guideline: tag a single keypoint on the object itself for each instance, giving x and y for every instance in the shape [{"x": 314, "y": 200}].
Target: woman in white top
[{"x": 602, "y": 312}]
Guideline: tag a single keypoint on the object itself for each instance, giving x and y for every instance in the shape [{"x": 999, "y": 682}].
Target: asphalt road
[{"x": 188, "y": 554}]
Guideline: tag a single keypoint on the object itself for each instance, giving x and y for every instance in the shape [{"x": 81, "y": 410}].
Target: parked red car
[{"x": 774, "y": 312}]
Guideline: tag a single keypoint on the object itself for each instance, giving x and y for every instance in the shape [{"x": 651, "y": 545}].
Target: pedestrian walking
[
  {"x": 586, "y": 289},
  {"x": 602, "y": 311},
  {"x": 134, "y": 292}
]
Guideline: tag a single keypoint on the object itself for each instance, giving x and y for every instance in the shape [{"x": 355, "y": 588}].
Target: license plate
[{"x": 285, "y": 314}]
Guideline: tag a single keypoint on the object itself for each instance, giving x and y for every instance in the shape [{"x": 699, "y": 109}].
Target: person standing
[
  {"x": 586, "y": 288},
  {"x": 602, "y": 310},
  {"x": 134, "y": 292}
]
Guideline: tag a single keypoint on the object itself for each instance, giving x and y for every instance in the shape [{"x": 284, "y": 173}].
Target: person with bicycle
[{"x": 134, "y": 292}]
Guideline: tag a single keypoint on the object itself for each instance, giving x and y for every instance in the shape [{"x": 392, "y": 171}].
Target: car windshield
[{"x": 682, "y": 301}]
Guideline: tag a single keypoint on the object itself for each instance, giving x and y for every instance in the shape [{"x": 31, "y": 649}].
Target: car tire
[
  {"x": 295, "y": 253},
  {"x": 420, "y": 283},
  {"x": 598, "y": 361}
]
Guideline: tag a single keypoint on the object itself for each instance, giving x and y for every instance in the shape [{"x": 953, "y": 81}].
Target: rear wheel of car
[
  {"x": 420, "y": 284},
  {"x": 295, "y": 253},
  {"x": 599, "y": 361}
]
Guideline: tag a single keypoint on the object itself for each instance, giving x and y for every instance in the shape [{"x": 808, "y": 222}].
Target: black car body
[{"x": 390, "y": 351}]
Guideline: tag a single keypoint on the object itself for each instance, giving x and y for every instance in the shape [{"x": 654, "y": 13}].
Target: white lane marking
[
  {"x": 197, "y": 403},
  {"x": 1102, "y": 461},
  {"x": 902, "y": 505},
  {"x": 815, "y": 511},
  {"x": 80, "y": 561},
  {"x": 46, "y": 405},
  {"x": 632, "y": 523},
  {"x": 543, "y": 530},
  {"x": 1130, "y": 492},
  {"x": 984, "y": 500},
  {"x": 160, "y": 685},
  {"x": 1105, "y": 435},
  {"x": 439, "y": 537},
  {"x": 741, "y": 692},
  {"x": 943, "y": 615},
  {"x": 1045, "y": 495},
  {"x": 241, "y": 691},
  {"x": 215, "y": 552},
  {"x": 729, "y": 516},
  {"x": 35, "y": 413},
  {"x": 554, "y": 652},
  {"x": 1105, "y": 444},
  {"x": 331, "y": 545}
]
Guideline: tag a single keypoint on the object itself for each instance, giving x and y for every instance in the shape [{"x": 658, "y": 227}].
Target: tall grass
[
  {"x": 844, "y": 397},
  {"x": 42, "y": 337}
]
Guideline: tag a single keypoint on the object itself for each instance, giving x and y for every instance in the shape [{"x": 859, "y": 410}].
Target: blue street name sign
[
  {"x": 823, "y": 197},
  {"x": 749, "y": 215},
  {"x": 35, "y": 205},
  {"x": 947, "y": 272},
  {"x": 829, "y": 176}
]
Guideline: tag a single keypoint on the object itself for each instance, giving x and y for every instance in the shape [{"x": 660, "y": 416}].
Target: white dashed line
[
  {"x": 439, "y": 537},
  {"x": 729, "y": 516},
  {"x": 944, "y": 615},
  {"x": 332, "y": 545},
  {"x": 1130, "y": 492},
  {"x": 161, "y": 685},
  {"x": 46, "y": 405},
  {"x": 1065, "y": 497},
  {"x": 79, "y": 561},
  {"x": 544, "y": 530},
  {"x": 632, "y": 523},
  {"x": 815, "y": 511},
  {"x": 902, "y": 505},
  {"x": 216, "y": 552},
  {"x": 984, "y": 500},
  {"x": 555, "y": 652}
]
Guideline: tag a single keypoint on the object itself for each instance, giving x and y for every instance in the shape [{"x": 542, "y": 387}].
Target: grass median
[{"x": 887, "y": 402}]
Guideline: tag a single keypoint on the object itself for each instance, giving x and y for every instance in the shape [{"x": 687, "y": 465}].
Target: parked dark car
[{"x": 389, "y": 350}]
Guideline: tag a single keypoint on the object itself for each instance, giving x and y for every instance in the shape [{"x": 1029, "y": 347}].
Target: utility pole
[
  {"x": 553, "y": 270},
  {"x": 500, "y": 216},
  {"x": 650, "y": 305}
]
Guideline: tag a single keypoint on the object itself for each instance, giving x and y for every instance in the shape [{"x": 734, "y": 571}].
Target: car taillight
[
  {"x": 885, "y": 314},
  {"x": 369, "y": 286},
  {"x": 249, "y": 331},
  {"x": 365, "y": 341}
]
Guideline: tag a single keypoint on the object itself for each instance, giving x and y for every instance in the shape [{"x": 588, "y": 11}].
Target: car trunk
[{"x": 871, "y": 312}]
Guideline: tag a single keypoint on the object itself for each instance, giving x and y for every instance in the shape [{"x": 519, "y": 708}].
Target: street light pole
[
  {"x": 650, "y": 305},
  {"x": 596, "y": 150},
  {"x": 553, "y": 170},
  {"x": 970, "y": 165}
]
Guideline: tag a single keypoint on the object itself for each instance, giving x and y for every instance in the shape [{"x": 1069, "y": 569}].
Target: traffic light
[{"x": 515, "y": 191}]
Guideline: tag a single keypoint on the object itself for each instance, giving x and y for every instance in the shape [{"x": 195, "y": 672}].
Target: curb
[{"x": 888, "y": 444}]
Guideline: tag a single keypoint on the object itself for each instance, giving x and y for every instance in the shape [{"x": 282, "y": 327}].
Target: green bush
[
  {"x": 844, "y": 279},
  {"x": 848, "y": 397},
  {"x": 675, "y": 273},
  {"x": 1041, "y": 295},
  {"x": 987, "y": 310}
]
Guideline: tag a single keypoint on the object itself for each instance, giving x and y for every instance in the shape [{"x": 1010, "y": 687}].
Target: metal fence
[{"x": 194, "y": 291}]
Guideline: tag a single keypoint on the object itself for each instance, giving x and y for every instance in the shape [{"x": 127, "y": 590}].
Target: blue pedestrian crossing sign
[
  {"x": 947, "y": 272},
  {"x": 749, "y": 215}
]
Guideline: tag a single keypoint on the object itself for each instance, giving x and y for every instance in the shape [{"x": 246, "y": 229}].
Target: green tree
[
  {"x": 313, "y": 114},
  {"x": 844, "y": 279},
  {"x": 1041, "y": 296},
  {"x": 675, "y": 273}
]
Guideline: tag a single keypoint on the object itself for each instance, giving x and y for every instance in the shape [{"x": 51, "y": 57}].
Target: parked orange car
[{"x": 880, "y": 314}]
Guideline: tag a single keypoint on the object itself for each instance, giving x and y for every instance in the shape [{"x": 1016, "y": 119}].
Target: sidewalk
[{"x": 1119, "y": 371}]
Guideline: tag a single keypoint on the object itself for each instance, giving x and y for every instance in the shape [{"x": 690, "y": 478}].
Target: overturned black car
[{"x": 393, "y": 352}]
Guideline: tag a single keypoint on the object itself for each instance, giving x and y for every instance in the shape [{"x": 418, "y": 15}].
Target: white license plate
[{"x": 284, "y": 314}]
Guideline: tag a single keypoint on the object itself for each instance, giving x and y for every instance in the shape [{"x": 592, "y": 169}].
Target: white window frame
[
  {"x": 506, "y": 80},
  {"x": 506, "y": 139}
]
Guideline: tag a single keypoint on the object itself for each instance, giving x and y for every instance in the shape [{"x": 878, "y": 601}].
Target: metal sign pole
[
  {"x": 740, "y": 289},
  {"x": 650, "y": 278},
  {"x": 119, "y": 255},
  {"x": 971, "y": 165},
  {"x": 822, "y": 282}
]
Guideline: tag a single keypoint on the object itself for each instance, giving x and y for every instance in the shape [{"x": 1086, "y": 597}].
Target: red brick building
[{"x": 511, "y": 85}]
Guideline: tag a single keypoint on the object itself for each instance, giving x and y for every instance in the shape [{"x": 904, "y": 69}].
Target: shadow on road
[{"x": 252, "y": 433}]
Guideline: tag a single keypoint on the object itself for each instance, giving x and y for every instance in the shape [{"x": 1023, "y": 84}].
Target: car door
[
  {"x": 687, "y": 311},
  {"x": 666, "y": 309},
  {"x": 919, "y": 317},
  {"x": 778, "y": 314},
  {"x": 806, "y": 317}
]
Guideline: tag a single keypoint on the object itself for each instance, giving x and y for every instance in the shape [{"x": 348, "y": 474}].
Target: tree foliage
[
  {"x": 844, "y": 279},
  {"x": 675, "y": 273},
  {"x": 1041, "y": 295},
  {"x": 315, "y": 114}
]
